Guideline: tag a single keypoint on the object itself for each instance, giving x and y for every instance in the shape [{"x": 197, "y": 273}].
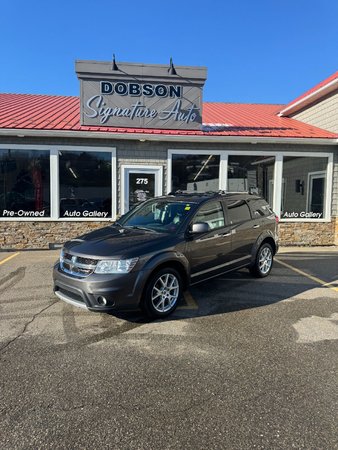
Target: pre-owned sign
[{"x": 140, "y": 96}]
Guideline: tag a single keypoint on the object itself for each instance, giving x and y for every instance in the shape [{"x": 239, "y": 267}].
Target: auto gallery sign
[{"x": 140, "y": 96}]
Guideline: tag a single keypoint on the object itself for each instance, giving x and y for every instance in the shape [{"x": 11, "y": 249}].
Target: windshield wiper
[
  {"x": 137, "y": 227},
  {"x": 117, "y": 224}
]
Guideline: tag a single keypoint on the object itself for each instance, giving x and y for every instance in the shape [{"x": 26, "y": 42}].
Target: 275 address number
[{"x": 141, "y": 180}]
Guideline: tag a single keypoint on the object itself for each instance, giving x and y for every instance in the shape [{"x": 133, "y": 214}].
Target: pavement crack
[{"x": 5, "y": 347}]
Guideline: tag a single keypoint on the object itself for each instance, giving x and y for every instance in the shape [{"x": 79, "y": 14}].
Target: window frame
[
  {"x": 127, "y": 169},
  {"x": 54, "y": 182},
  {"x": 327, "y": 190},
  {"x": 277, "y": 178},
  {"x": 31, "y": 148}
]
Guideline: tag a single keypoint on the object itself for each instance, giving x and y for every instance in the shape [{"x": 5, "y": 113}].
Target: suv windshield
[{"x": 158, "y": 215}]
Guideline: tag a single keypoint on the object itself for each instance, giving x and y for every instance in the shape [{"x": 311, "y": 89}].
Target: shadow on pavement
[{"x": 239, "y": 290}]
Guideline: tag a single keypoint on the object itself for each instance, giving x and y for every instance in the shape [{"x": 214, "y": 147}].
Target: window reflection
[
  {"x": 24, "y": 183},
  {"x": 251, "y": 174},
  {"x": 212, "y": 214},
  {"x": 195, "y": 173},
  {"x": 304, "y": 185},
  {"x": 85, "y": 184},
  {"x": 238, "y": 211}
]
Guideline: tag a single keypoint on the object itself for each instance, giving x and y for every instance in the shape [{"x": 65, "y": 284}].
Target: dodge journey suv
[{"x": 159, "y": 248}]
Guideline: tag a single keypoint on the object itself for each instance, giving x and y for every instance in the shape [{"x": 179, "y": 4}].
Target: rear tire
[
  {"x": 263, "y": 262},
  {"x": 162, "y": 294}
]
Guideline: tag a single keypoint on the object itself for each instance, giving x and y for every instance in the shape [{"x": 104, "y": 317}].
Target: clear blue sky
[{"x": 258, "y": 51}]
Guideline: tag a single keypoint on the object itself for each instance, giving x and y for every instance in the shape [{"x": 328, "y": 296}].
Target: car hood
[{"x": 114, "y": 242}]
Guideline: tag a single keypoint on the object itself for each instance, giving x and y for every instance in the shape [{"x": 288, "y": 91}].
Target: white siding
[{"x": 323, "y": 114}]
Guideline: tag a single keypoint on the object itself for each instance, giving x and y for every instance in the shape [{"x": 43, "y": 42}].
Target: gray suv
[{"x": 159, "y": 248}]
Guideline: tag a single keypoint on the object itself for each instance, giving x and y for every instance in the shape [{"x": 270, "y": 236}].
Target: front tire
[
  {"x": 162, "y": 293},
  {"x": 263, "y": 262}
]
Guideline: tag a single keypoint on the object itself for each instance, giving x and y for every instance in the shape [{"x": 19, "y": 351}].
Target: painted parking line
[
  {"x": 3, "y": 261},
  {"x": 189, "y": 300},
  {"x": 310, "y": 277}
]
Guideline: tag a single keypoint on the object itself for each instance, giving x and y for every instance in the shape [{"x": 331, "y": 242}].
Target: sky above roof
[{"x": 255, "y": 52}]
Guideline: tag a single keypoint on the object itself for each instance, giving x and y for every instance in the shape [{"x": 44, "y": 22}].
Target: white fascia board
[
  {"x": 143, "y": 137},
  {"x": 315, "y": 95}
]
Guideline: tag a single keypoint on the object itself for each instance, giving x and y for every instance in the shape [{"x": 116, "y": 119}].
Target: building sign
[{"x": 140, "y": 96}]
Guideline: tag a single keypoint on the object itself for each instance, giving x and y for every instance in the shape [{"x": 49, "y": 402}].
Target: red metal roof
[
  {"x": 311, "y": 91},
  {"x": 46, "y": 112}
]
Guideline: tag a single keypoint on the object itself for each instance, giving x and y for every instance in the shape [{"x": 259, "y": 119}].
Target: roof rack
[
  {"x": 200, "y": 194},
  {"x": 211, "y": 193}
]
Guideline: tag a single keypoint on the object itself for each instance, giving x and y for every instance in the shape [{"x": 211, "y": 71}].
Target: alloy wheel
[
  {"x": 165, "y": 292},
  {"x": 265, "y": 260}
]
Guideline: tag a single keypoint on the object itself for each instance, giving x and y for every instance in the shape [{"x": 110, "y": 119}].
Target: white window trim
[
  {"x": 272, "y": 190},
  {"x": 54, "y": 181},
  {"x": 278, "y": 173},
  {"x": 139, "y": 168}
]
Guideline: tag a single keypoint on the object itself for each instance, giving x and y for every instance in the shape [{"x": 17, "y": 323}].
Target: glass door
[{"x": 139, "y": 183}]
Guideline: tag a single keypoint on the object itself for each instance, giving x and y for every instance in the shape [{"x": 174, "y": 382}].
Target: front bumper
[{"x": 100, "y": 292}]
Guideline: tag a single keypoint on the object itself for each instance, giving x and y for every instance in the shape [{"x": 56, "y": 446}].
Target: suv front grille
[{"x": 77, "y": 266}]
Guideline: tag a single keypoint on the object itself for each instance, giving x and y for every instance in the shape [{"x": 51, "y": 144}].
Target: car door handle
[
  {"x": 227, "y": 234},
  {"x": 256, "y": 226}
]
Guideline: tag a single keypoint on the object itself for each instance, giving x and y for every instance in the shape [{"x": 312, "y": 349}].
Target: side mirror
[{"x": 200, "y": 227}]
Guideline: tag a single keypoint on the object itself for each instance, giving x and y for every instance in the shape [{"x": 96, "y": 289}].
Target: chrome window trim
[{"x": 219, "y": 266}]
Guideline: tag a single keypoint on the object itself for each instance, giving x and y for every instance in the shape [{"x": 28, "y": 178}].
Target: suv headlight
[{"x": 115, "y": 265}]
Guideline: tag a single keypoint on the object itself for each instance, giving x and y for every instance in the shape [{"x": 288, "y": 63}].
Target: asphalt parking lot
[{"x": 242, "y": 364}]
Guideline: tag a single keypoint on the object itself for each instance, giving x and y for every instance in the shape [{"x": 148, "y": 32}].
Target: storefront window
[
  {"x": 195, "y": 173},
  {"x": 251, "y": 174},
  {"x": 85, "y": 184},
  {"x": 24, "y": 183},
  {"x": 304, "y": 185}
]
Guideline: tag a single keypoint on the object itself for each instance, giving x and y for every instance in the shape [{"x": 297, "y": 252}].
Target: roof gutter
[
  {"x": 315, "y": 95},
  {"x": 142, "y": 137}
]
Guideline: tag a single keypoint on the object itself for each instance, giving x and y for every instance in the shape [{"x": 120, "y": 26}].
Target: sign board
[{"x": 140, "y": 95}]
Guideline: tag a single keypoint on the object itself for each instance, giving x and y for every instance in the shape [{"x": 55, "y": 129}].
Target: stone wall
[
  {"x": 309, "y": 233},
  {"x": 43, "y": 235}
]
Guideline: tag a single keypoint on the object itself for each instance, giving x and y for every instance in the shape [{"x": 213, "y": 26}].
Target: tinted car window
[
  {"x": 260, "y": 208},
  {"x": 238, "y": 211},
  {"x": 211, "y": 213}
]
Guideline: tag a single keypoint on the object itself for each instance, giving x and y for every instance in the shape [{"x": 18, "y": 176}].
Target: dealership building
[{"x": 69, "y": 165}]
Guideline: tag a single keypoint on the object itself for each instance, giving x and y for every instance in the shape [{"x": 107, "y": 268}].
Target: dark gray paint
[{"x": 91, "y": 73}]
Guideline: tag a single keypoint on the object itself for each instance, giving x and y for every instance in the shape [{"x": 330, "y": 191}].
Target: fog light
[{"x": 101, "y": 300}]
